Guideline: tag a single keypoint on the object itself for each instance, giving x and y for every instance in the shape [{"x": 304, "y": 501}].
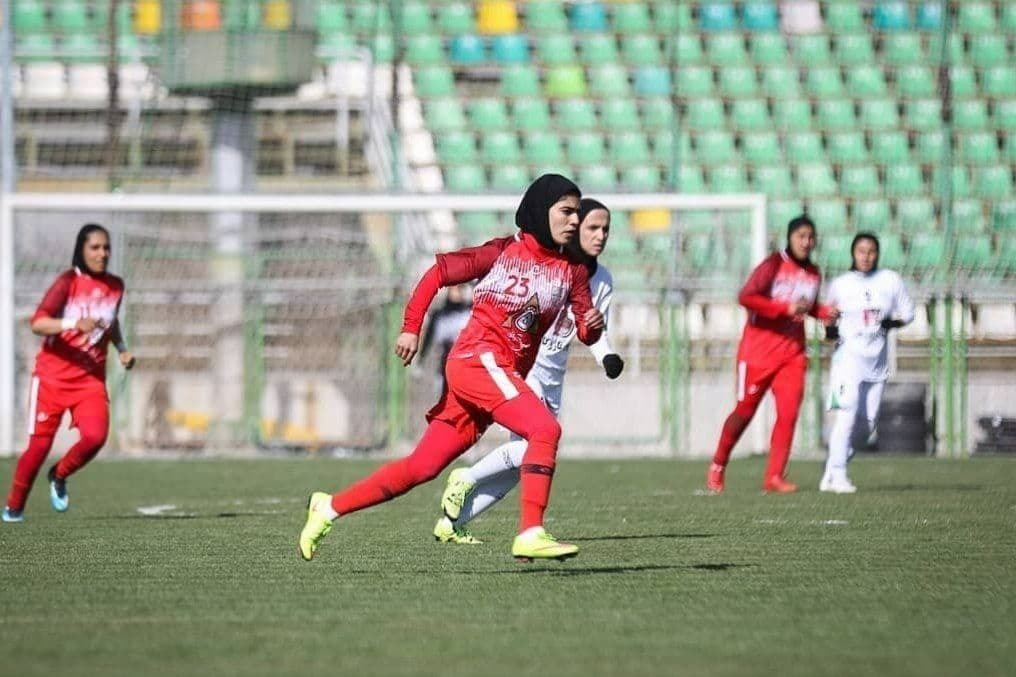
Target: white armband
[{"x": 68, "y": 323}]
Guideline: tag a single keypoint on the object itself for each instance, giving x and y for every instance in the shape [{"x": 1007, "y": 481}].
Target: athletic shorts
[
  {"x": 49, "y": 399},
  {"x": 755, "y": 378}
]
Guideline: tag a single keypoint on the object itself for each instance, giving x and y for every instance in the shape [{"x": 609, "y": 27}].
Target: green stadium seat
[
  {"x": 433, "y": 81},
  {"x": 926, "y": 251},
  {"x": 915, "y": 213},
  {"x": 82, "y": 47},
  {"x": 812, "y": 50},
  {"x": 585, "y": 148},
  {"x": 975, "y": 17},
  {"x": 903, "y": 180},
  {"x": 1010, "y": 148},
  {"x": 738, "y": 81},
  {"x": 382, "y": 46},
  {"x": 694, "y": 81},
  {"x": 641, "y": 178},
  {"x": 750, "y": 114},
  {"x": 833, "y": 251},
  {"x": 803, "y": 146},
  {"x": 773, "y": 180},
  {"x": 865, "y": 81},
  {"x": 598, "y": 48},
  {"x": 767, "y": 49},
  {"x": 556, "y": 50},
  {"x": 973, "y": 253},
  {"x": 487, "y": 114},
  {"x": 657, "y": 113},
  {"x": 510, "y": 48},
  {"x": 890, "y": 251},
  {"x": 971, "y": 114},
  {"x": 871, "y": 214},
  {"x": 242, "y": 15},
  {"x": 815, "y": 179},
  {"x": 455, "y": 18},
  {"x": 726, "y": 49},
  {"x": 891, "y": 16},
  {"x": 653, "y": 81},
  {"x": 1003, "y": 217},
  {"x": 929, "y": 15},
  {"x": 728, "y": 178},
  {"x": 690, "y": 179},
  {"x": 978, "y": 148},
  {"x": 671, "y": 17},
  {"x": 1005, "y": 115},
  {"x": 687, "y": 49},
  {"x": 915, "y": 81},
  {"x": 792, "y": 114},
  {"x": 531, "y": 115},
  {"x": 28, "y": 16},
  {"x": 416, "y": 18},
  {"x": 968, "y": 216},
  {"x": 761, "y": 148},
  {"x": 456, "y": 147},
  {"x": 663, "y": 147},
  {"x": 846, "y": 147},
  {"x": 705, "y": 113},
  {"x": 567, "y": 81},
  {"x": 759, "y": 16},
  {"x": 509, "y": 177},
  {"x": 1005, "y": 259},
  {"x": 476, "y": 227},
  {"x": 890, "y": 146},
  {"x": 520, "y": 81},
  {"x": 993, "y": 183},
  {"x": 576, "y": 114},
  {"x": 780, "y": 81},
  {"x": 631, "y": 17},
  {"x": 961, "y": 82},
  {"x": 331, "y": 47},
  {"x": 70, "y": 16},
  {"x": 365, "y": 18},
  {"x": 998, "y": 82},
  {"x": 903, "y": 49},
  {"x": 546, "y": 16},
  {"x": 619, "y": 115},
  {"x": 629, "y": 148},
  {"x": 466, "y": 178},
  {"x": 500, "y": 147},
  {"x": 824, "y": 82},
  {"x": 924, "y": 114},
  {"x": 831, "y": 214},
  {"x": 844, "y": 17},
  {"x": 331, "y": 18},
  {"x": 959, "y": 176},
  {"x": 717, "y": 16},
  {"x": 879, "y": 114},
  {"x": 124, "y": 19},
  {"x": 467, "y": 50},
  {"x": 859, "y": 181},
  {"x": 989, "y": 50},
  {"x": 700, "y": 252},
  {"x": 833, "y": 114},
  {"x": 609, "y": 80},
  {"x": 598, "y": 178},
  {"x": 779, "y": 212},
  {"x": 714, "y": 147},
  {"x": 444, "y": 114},
  {"x": 641, "y": 50},
  {"x": 542, "y": 148},
  {"x": 588, "y": 17},
  {"x": 853, "y": 49}
]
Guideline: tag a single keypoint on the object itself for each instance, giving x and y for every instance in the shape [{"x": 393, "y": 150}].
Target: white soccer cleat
[{"x": 836, "y": 484}]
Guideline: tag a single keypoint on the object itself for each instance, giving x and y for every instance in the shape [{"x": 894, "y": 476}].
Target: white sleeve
[
  {"x": 832, "y": 292},
  {"x": 602, "y": 348},
  {"x": 903, "y": 305}
]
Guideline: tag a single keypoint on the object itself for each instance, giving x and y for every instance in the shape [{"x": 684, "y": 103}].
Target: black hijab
[
  {"x": 78, "y": 260},
  {"x": 586, "y": 205},
  {"x": 532, "y": 216},
  {"x": 878, "y": 250}
]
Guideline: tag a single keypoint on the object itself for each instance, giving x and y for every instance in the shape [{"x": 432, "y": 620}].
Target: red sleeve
[
  {"x": 755, "y": 293},
  {"x": 55, "y": 299},
  {"x": 581, "y": 301},
  {"x": 420, "y": 301}
]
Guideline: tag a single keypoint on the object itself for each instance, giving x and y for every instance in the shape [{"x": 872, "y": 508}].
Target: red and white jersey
[
  {"x": 522, "y": 288},
  {"x": 770, "y": 335},
  {"x": 72, "y": 355}
]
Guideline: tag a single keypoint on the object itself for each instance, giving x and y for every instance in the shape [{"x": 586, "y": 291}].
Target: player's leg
[
  {"x": 788, "y": 390},
  {"x": 90, "y": 415},
  {"x": 45, "y": 410},
  {"x": 752, "y": 383},
  {"x": 843, "y": 400},
  {"x": 485, "y": 494}
]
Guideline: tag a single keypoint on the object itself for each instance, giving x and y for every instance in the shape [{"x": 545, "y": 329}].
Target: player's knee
[
  {"x": 93, "y": 438},
  {"x": 420, "y": 468},
  {"x": 547, "y": 431}
]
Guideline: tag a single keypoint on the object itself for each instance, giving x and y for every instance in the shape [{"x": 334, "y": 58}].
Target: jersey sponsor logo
[
  {"x": 526, "y": 318},
  {"x": 42, "y": 417}
]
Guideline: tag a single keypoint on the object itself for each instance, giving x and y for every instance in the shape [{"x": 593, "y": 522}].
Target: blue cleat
[
  {"x": 10, "y": 515},
  {"x": 58, "y": 497}
]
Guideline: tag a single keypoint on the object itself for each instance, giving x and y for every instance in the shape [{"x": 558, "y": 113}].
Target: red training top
[
  {"x": 523, "y": 286},
  {"x": 770, "y": 334},
  {"x": 72, "y": 355}
]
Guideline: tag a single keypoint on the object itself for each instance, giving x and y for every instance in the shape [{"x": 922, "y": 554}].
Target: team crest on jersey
[{"x": 525, "y": 318}]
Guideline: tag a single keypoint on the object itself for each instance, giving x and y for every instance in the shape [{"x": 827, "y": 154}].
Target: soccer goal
[{"x": 266, "y": 321}]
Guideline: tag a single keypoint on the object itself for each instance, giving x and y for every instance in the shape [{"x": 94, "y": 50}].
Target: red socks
[{"x": 27, "y": 469}]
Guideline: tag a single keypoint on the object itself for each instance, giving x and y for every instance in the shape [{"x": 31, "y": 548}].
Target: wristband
[{"x": 68, "y": 323}]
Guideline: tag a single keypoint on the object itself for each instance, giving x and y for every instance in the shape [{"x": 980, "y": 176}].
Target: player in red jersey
[
  {"x": 78, "y": 317},
  {"x": 524, "y": 281},
  {"x": 778, "y": 294}
]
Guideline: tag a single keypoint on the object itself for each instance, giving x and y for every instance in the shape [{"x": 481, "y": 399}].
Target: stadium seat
[
  {"x": 82, "y": 48},
  {"x": 367, "y": 18},
  {"x": 975, "y": 17},
  {"x": 792, "y": 114},
  {"x": 888, "y": 147},
  {"x": 531, "y": 115},
  {"x": 641, "y": 50},
  {"x": 653, "y": 81},
  {"x": 978, "y": 148},
  {"x": 859, "y": 181},
  {"x": 750, "y": 114},
  {"x": 672, "y": 17},
  {"x": 961, "y": 81},
  {"x": 989, "y": 50},
  {"x": 726, "y": 49},
  {"x": 510, "y": 48},
  {"x": 1005, "y": 116},
  {"x": 694, "y": 81},
  {"x": 929, "y": 15},
  {"x": 714, "y": 147},
  {"x": 1009, "y": 149},
  {"x": 959, "y": 176},
  {"x": 998, "y": 82},
  {"x": 657, "y": 113},
  {"x": 833, "y": 114},
  {"x": 915, "y": 81},
  {"x": 455, "y": 18},
  {"x": 576, "y": 114},
  {"x": 467, "y": 178},
  {"x": 619, "y": 114},
  {"x": 879, "y": 114},
  {"x": 812, "y": 50},
  {"x": 815, "y": 179},
  {"x": 567, "y": 81},
  {"x": 466, "y": 50},
  {"x": 738, "y": 81},
  {"x": 767, "y": 49},
  {"x": 891, "y": 15},
  {"x": 496, "y": 17},
  {"x": 609, "y": 80},
  {"x": 761, "y": 148},
  {"x": 833, "y": 251},
  {"x": 509, "y": 177},
  {"x": 973, "y": 253},
  {"x": 824, "y": 82},
  {"x": 415, "y": 19},
  {"x": 629, "y": 148},
  {"x": 596, "y": 178},
  {"x": 926, "y": 251},
  {"x": 331, "y": 18},
  {"x": 546, "y": 16},
  {"x": 433, "y": 81},
  {"x": 971, "y": 114},
  {"x": 773, "y": 180},
  {"x": 871, "y": 214},
  {"x": 717, "y": 16},
  {"x": 866, "y": 81},
  {"x": 690, "y": 179},
  {"x": 641, "y": 178},
  {"x": 705, "y": 113},
  {"x": 487, "y": 114},
  {"x": 916, "y": 213},
  {"x": 993, "y": 182},
  {"x": 585, "y": 148},
  {"x": 541, "y": 148},
  {"x": 28, "y": 16},
  {"x": 663, "y": 147},
  {"x": 903, "y": 180},
  {"x": 853, "y": 49},
  {"x": 890, "y": 250},
  {"x": 903, "y": 49},
  {"x": 687, "y": 49},
  {"x": 968, "y": 216},
  {"x": 444, "y": 114},
  {"x": 924, "y": 114},
  {"x": 598, "y": 48},
  {"x": 36, "y": 48},
  {"x": 500, "y": 147},
  {"x": 829, "y": 214},
  {"x": 846, "y": 147},
  {"x": 588, "y": 17},
  {"x": 520, "y": 81},
  {"x": 759, "y": 15},
  {"x": 728, "y": 178},
  {"x": 844, "y": 17},
  {"x": 456, "y": 147},
  {"x": 556, "y": 50},
  {"x": 1003, "y": 217},
  {"x": 631, "y": 17},
  {"x": 780, "y": 81},
  {"x": 779, "y": 212},
  {"x": 70, "y": 16}
]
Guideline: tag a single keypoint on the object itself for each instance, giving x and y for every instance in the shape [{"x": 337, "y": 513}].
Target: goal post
[{"x": 293, "y": 236}]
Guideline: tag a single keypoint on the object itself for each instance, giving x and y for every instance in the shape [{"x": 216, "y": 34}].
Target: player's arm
[
  {"x": 902, "y": 312},
  {"x": 604, "y": 353},
  {"x": 48, "y": 320},
  {"x": 755, "y": 293},
  {"x": 832, "y": 329},
  {"x": 826, "y": 312},
  {"x": 116, "y": 337},
  {"x": 588, "y": 320}
]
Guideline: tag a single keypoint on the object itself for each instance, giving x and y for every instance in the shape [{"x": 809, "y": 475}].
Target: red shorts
[
  {"x": 755, "y": 378},
  {"x": 49, "y": 399},
  {"x": 474, "y": 387}
]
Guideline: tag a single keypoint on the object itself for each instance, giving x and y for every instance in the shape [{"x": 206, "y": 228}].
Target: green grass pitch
[{"x": 915, "y": 575}]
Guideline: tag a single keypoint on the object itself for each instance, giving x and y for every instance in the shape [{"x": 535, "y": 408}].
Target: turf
[{"x": 913, "y": 576}]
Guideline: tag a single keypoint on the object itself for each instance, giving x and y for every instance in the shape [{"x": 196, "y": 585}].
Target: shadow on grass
[
  {"x": 565, "y": 570},
  {"x": 894, "y": 488},
  {"x": 630, "y": 537},
  {"x": 189, "y": 516}
]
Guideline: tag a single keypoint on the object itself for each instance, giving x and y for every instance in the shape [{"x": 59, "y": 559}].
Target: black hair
[
  {"x": 799, "y": 222},
  {"x": 533, "y": 214},
  {"x": 586, "y": 205},
  {"x": 865, "y": 236},
  {"x": 78, "y": 260}
]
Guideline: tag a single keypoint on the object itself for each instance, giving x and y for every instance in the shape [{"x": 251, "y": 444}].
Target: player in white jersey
[
  {"x": 872, "y": 301},
  {"x": 472, "y": 490}
]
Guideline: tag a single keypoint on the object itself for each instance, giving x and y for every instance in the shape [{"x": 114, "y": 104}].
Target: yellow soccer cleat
[
  {"x": 317, "y": 526},
  {"x": 446, "y": 532},
  {"x": 536, "y": 543},
  {"x": 456, "y": 491}
]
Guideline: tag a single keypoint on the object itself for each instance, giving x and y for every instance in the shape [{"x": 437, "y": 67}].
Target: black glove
[
  {"x": 888, "y": 324},
  {"x": 613, "y": 365},
  {"x": 832, "y": 332}
]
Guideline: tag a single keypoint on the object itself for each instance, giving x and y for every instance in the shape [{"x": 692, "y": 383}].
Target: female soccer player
[
  {"x": 78, "y": 317},
  {"x": 524, "y": 282},
  {"x": 872, "y": 301},
  {"x": 472, "y": 490},
  {"x": 778, "y": 294}
]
